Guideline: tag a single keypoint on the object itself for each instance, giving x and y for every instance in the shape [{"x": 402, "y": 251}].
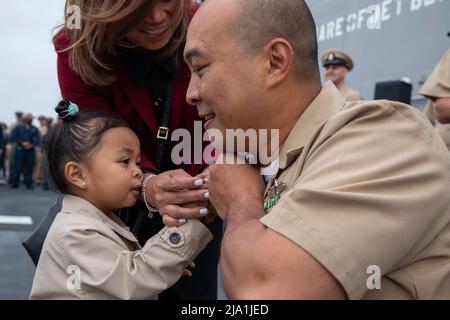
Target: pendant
[
  {"x": 277, "y": 188},
  {"x": 274, "y": 194}
]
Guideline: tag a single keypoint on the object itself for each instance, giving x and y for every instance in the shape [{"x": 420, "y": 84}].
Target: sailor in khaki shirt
[
  {"x": 362, "y": 187},
  {"x": 437, "y": 90},
  {"x": 337, "y": 65},
  {"x": 353, "y": 199}
]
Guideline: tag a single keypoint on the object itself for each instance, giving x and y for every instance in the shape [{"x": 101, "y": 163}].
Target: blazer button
[{"x": 174, "y": 238}]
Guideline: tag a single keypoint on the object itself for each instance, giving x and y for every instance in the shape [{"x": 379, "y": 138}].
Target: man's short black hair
[{"x": 259, "y": 21}]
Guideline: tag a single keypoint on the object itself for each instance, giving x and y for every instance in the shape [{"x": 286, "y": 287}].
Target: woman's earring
[{"x": 84, "y": 185}]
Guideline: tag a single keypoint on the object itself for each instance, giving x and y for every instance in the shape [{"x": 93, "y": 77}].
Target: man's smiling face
[{"x": 225, "y": 81}]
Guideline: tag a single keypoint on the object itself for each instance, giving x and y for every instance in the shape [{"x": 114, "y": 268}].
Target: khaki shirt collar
[
  {"x": 327, "y": 103},
  {"x": 74, "y": 204}
]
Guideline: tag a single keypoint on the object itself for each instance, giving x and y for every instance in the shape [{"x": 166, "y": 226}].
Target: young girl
[
  {"x": 89, "y": 253},
  {"x": 127, "y": 59}
]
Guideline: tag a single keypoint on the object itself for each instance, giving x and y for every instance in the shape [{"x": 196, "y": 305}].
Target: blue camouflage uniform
[
  {"x": 2, "y": 139},
  {"x": 24, "y": 158}
]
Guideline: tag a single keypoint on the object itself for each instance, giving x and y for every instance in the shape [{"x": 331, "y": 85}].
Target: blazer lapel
[
  {"x": 141, "y": 101},
  {"x": 139, "y": 98},
  {"x": 179, "y": 95}
]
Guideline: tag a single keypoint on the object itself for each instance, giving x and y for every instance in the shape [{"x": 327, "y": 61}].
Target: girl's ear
[{"x": 75, "y": 174}]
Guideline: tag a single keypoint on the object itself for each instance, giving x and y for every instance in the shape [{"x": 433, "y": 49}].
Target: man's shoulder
[
  {"x": 13, "y": 125},
  {"x": 350, "y": 94},
  {"x": 382, "y": 127},
  {"x": 18, "y": 127},
  {"x": 354, "y": 95},
  {"x": 385, "y": 113}
]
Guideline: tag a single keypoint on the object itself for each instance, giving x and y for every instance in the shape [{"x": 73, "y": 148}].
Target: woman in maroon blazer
[{"x": 127, "y": 59}]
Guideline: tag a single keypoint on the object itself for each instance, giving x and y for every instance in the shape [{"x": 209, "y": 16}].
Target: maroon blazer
[{"x": 131, "y": 103}]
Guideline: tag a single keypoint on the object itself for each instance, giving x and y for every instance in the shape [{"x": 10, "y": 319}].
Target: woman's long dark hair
[{"x": 104, "y": 24}]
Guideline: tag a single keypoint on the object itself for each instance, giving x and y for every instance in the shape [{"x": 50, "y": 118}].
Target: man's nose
[{"x": 192, "y": 94}]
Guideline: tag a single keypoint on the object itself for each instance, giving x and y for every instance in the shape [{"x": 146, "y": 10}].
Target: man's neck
[
  {"x": 303, "y": 102},
  {"x": 287, "y": 106}
]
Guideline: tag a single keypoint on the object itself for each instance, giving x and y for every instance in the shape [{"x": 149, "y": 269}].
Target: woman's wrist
[
  {"x": 145, "y": 192},
  {"x": 147, "y": 173}
]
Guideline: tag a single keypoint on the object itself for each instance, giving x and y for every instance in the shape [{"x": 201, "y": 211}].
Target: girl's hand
[{"x": 187, "y": 272}]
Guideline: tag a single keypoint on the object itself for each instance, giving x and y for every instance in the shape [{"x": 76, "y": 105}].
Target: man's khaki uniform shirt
[
  {"x": 350, "y": 94},
  {"x": 438, "y": 86},
  {"x": 87, "y": 255},
  {"x": 367, "y": 188}
]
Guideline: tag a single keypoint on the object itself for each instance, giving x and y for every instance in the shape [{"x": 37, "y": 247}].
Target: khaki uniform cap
[{"x": 337, "y": 57}]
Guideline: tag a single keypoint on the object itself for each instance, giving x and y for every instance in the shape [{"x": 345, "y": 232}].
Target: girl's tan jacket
[{"x": 88, "y": 255}]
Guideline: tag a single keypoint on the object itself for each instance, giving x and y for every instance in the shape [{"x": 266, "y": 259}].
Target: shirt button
[{"x": 174, "y": 238}]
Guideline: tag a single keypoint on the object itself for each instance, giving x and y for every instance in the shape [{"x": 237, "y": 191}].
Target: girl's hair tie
[{"x": 70, "y": 109}]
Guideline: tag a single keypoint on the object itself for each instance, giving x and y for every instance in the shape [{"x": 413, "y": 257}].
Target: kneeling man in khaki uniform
[{"x": 359, "y": 206}]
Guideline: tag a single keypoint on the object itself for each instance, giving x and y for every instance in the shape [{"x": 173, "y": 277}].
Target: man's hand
[
  {"x": 26, "y": 145},
  {"x": 443, "y": 110},
  {"x": 177, "y": 195},
  {"x": 235, "y": 189}
]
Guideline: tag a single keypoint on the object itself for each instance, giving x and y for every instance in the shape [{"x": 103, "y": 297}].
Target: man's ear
[
  {"x": 76, "y": 174},
  {"x": 280, "y": 58}
]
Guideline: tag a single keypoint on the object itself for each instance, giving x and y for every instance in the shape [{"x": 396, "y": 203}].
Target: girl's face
[
  {"x": 113, "y": 176},
  {"x": 156, "y": 30}
]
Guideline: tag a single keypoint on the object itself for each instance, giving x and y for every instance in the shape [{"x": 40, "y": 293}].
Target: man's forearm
[
  {"x": 241, "y": 256},
  {"x": 240, "y": 213}
]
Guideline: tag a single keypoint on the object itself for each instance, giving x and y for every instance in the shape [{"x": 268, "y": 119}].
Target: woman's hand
[
  {"x": 212, "y": 214},
  {"x": 178, "y": 196}
]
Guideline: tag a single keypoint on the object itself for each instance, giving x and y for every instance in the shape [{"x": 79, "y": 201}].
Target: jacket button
[{"x": 175, "y": 238}]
